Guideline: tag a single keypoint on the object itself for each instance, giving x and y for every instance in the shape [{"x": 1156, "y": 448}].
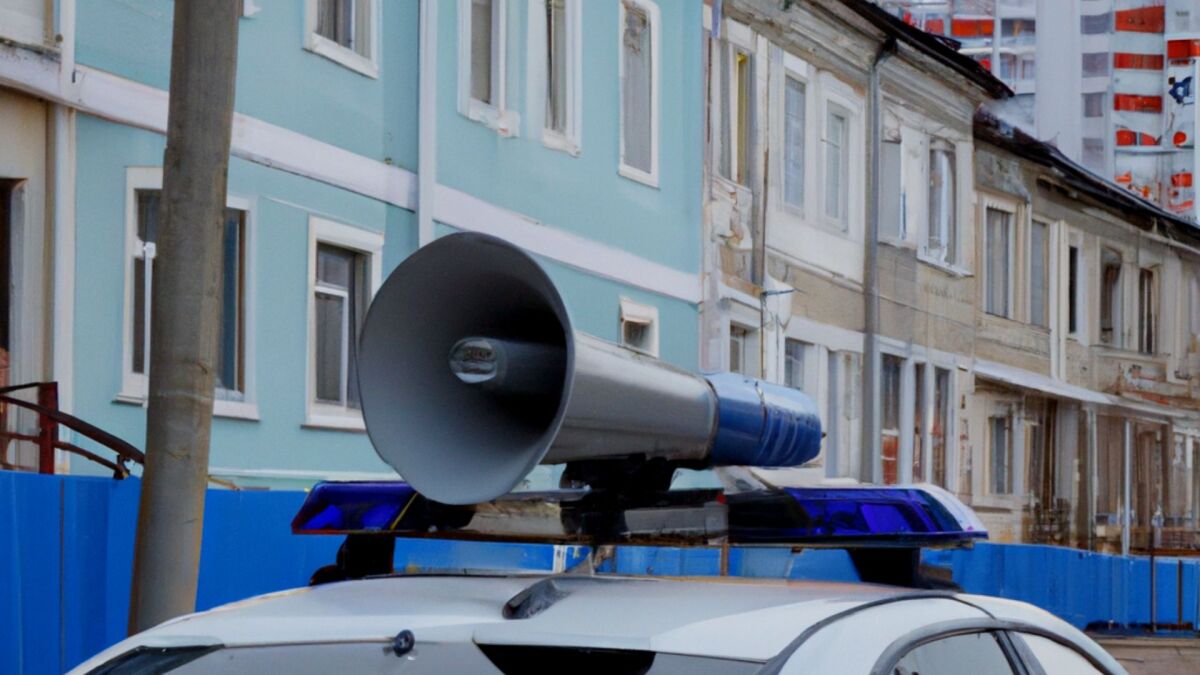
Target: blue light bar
[
  {"x": 865, "y": 515},
  {"x": 349, "y": 508},
  {"x": 850, "y": 517}
]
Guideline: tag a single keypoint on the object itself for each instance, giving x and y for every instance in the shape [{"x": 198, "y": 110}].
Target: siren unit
[{"x": 471, "y": 373}]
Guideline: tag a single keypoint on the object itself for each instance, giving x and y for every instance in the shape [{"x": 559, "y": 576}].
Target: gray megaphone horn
[{"x": 470, "y": 374}]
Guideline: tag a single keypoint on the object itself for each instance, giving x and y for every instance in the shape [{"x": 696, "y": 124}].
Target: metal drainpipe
[
  {"x": 871, "y": 466},
  {"x": 427, "y": 122}
]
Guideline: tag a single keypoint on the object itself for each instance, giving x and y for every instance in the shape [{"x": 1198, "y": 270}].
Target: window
[
  {"x": 738, "y": 339},
  {"x": 794, "y": 118},
  {"x": 793, "y": 363},
  {"x": 639, "y": 327},
  {"x": 1052, "y": 657},
  {"x": 1073, "y": 290},
  {"x": 1094, "y": 154},
  {"x": 949, "y": 655},
  {"x": 892, "y": 225},
  {"x": 1000, "y": 450},
  {"x": 487, "y": 22},
  {"x": 1111, "y": 317},
  {"x": 1093, "y": 104},
  {"x": 1096, "y": 24},
  {"x": 893, "y": 367},
  {"x": 737, "y": 90},
  {"x": 1039, "y": 274},
  {"x": 231, "y": 361},
  {"x": 837, "y": 164},
  {"x": 1095, "y": 64},
  {"x": 998, "y": 257},
  {"x": 942, "y": 237},
  {"x": 1147, "y": 311},
  {"x": 344, "y": 31},
  {"x": 339, "y": 299},
  {"x": 562, "y": 63},
  {"x": 344, "y": 274},
  {"x": 834, "y": 412},
  {"x": 940, "y": 431},
  {"x": 918, "y": 450},
  {"x": 639, "y": 90}
]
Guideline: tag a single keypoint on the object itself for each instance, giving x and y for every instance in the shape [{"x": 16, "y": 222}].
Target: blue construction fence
[{"x": 66, "y": 554}]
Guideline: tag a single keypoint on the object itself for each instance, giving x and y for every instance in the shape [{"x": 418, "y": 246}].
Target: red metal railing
[{"x": 50, "y": 418}]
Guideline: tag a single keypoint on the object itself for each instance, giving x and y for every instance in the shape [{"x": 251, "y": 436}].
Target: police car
[
  {"x": 470, "y": 375},
  {"x": 596, "y": 623}
]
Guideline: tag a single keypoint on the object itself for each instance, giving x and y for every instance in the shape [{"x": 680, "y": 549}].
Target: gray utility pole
[{"x": 185, "y": 312}]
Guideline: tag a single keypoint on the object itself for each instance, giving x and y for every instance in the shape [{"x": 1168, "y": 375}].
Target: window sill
[
  {"x": 238, "y": 410},
  {"x": 560, "y": 142},
  {"x": 503, "y": 122},
  {"x": 998, "y": 502},
  {"x": 898, "y": 242},
  {"x": 342, "y": 56},
  {"x": 949, "y": 268},
  {"x": 334, "y": 422},
  {"x": 637, "y": 175}
]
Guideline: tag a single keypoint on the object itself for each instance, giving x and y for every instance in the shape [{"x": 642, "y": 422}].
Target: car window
[
  {"x": 974, "y": 653},
  {"x": 1056, "y": 659}
]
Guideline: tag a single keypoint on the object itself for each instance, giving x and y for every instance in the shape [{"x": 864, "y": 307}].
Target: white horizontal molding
[
  {"x": 124, "y": 101},
  {"x": 467, "y": 212}
]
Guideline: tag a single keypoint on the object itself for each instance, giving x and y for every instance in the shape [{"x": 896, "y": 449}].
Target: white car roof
[{"x": 723, "y": 617}]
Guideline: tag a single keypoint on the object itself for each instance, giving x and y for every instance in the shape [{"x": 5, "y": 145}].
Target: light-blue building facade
[{"x": 574, "y": 129}]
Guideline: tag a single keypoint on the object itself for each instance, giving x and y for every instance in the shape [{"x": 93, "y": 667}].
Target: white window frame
[
  {"x": 654, "y": 17},
  {"x": 926, "y": 253},
  {"x": 1014, "y": 211},
  {"x": 494, "y": 115},
  {"x": 736, "y": 39},
  {"x": 369, "y": 243},
  {"x": 647, "y": 315},
  {"x": 799, "y": 73},
  {"x": 570, "y": 140},
  {"x": 367, "y": 65},
  {"x": 838, "y": 94},
  {"x": 134, "y": 386}
]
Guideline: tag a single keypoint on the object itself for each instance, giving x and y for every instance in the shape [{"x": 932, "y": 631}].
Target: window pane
[
  {"x": 1093, "y": 105},
  {"x": 942, "y": 411},
  {"x": 793, "y": 364},
  {"x": 229, "y": 345},
  {"x": 1055, "y": 658},
  {"x": 1147, "y": 311},
  {"x": 636, "y": 90},
  {"x": 742, "y": 62},
  {"x": 138, "y": 336},
  {"x": 793, "y": 163},
  {"x": 335, "y": 21},
  {"x": 481, "y": 51},
  {"x": 941, "y": 241},
  {"x": 890, "y": 420},
  {"x": 1000, "y": 437},
  {"x": 147, "y": 214},
  {"x": 1111, "y": 319},
  {"x": 1038, "y": 255},
  {"x": 1095, "y": 64},
  {"x": 835, "y": 166},
  {"x": 737, "y": 350},
  {"x": 918, "y": 451},
  {"x": 556, "y": 65},
  {"x": 335, "y": 266},
  {"x": 330, "y": 324},
  {"x": 1096, "y": 24},
  {"x": 358, "y": 311},
  {"x": 997, "y": 243},
  {"x": 978, "y": 653},
  {"x": 1072, "y": 289}
]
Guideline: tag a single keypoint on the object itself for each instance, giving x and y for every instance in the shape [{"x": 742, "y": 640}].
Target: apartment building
[
  {"x": 363, "y": 129},
  {"x": 1118, "y": 79}
]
